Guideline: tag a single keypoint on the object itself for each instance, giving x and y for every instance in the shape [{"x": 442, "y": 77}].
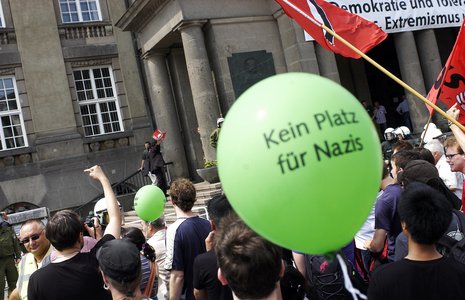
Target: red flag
[
  {"x": 450, "y": 84},
  {"x": 311, "y": 14}
]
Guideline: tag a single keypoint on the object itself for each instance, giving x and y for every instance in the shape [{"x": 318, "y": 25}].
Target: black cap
[
  {"x": 419, "y": 170},
  {"x": 119, "y": 260}
]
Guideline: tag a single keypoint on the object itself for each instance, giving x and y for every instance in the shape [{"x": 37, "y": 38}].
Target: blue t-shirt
[
  {"x": 386, "y": 216},
  {"x": 189, "y": 241}
]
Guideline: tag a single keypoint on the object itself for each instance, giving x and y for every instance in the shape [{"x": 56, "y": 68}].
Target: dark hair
[
  {"x": 425, "y": 154},
  {"x": 250, "y": 263},
  {"x": 385, "y": 171},
  {"x": 218, "y": 207},
  {"x": 401, "y": 146},
  {"x": 64, "y": 229},
  {"x": 183, "y": 193},
  {"x": 158, "y": 223},
  {"x": 426, "y": 213},
  {"x": 402, "y": 158},
  {"x": 126, "y": 288},
  {"x": 135, "y": 236}
]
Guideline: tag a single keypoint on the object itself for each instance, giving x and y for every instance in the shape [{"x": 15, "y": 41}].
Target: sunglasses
[{"x": 33, "y": 237}]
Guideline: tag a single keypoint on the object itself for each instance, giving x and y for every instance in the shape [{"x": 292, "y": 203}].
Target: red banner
[
  {"x": 450, "y": 84},
  {"x": 311, "y": 14}
]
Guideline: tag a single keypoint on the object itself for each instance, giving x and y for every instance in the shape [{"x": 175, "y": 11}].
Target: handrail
[
  {"x": 114, "y": 185},
  {"x": 125, "y": 180}
]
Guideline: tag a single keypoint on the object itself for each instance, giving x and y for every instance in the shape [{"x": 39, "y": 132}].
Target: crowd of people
[{"x": 403, "y": 251}]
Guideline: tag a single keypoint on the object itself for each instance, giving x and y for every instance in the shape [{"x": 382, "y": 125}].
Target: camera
[{"x": 90, "y": 219}]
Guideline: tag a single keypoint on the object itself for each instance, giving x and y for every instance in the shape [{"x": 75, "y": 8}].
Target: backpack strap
[{"x": 151, "y": 282}]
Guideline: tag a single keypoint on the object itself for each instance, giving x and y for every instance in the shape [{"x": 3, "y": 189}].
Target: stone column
[
  {"x": 202, "y": 86},
  {"x": 411, "y": 72},
  {"x": 431, "y": 65},
  {"x": 165, "y": 113},
  {"x": 327, "y": 63},
  {"x": 430, "y": 59},
  {"x": 186, "y": 110},
  {"x": 299, "y": 54}
]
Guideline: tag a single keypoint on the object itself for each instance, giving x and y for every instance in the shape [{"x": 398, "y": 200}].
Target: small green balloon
[
  {"x": 300, "y": 161},
  {"x": 149, "y": 202}
]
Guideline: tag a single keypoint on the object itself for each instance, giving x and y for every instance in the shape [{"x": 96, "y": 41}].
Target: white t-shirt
[
  {"x": 453, "y": 180},
  {"x": 368, "y": 229}
]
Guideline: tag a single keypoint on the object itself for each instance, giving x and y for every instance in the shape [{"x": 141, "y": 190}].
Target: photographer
[{"x": 75, "y": 275}]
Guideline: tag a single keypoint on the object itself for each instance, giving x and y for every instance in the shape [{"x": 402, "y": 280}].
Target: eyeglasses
[
  {"x": 33, "y": 237},
  {"x": 449, "y": 156}
]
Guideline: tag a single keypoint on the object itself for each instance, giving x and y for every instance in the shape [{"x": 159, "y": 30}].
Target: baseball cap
[
  {"x": 418, "y": 170},
  {"x": 119, "y": 260}
]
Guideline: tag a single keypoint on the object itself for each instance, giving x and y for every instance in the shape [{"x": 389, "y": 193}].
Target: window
[
  {"x": 12, "y": 133},
  {"x": 97, "y": 101},
  {"x": 73, "y": 11}
]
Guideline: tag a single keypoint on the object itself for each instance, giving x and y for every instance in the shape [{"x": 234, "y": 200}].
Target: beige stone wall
[
  {"x": 43, "y": 65},
  {"x": 228, "y": 36}
]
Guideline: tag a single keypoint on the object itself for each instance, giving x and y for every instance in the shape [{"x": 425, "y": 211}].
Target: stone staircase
[{"x": 205, "y": 191}]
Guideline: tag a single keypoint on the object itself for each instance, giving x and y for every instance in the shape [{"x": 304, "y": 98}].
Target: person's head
[
  {"x": 417, "y": 170},
  {"x": 436, "y": 148},
  {"x": 424, "y": 213},
  {"x": 400, "y": 160},
  {"x": 217, "y": 208},
  {"x": 425, "y": 172},
  {"x": 119, "y": 262},
  {"x": 454, "y": 155},
  {"x": 147, "y": 145},
  {"x": 402, "y": 132},
  {"x": 135, "y": 236},
  {"x": 152, "y": 227},
  {"x": 389, "y": 134},
  {"x": 401, "y": 145},
  {"x": 426, "y": 155},
  {"x": 183, "y": 193},
  {"x": 64, "y": 230},
  {"x": 241, "y": 253},
  {"x": 376, "y": 103},
  {"x": 32, "y": 236}
]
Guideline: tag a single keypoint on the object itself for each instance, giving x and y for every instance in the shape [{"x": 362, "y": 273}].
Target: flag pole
[
  {"x": 393, "y": 77},
  {"x": 376, "y": 65},
  {"x": 426, "y": 129}
]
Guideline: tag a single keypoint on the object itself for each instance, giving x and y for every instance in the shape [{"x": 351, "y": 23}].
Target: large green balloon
[
  {"x": 300, "y": 161},
  {"x": 149, "y": 202}
]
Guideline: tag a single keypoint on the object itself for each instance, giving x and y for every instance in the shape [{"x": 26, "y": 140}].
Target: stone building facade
[
  {"x": 70, "y": 97},
  {"x": 200, "y": 55},
  {"x": 78, "y": 93}
]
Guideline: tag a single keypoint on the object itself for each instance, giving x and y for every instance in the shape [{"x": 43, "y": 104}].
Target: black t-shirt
[
  {"x": 441, "y": 278},
  {"x": 75, "y": 279},
  {"x": 206, "y": 277}
]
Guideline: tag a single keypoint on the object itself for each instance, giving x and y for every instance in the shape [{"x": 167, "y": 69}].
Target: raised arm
[
  {"x": 114, "y": 214},
  {"x": 458, "y": 133}
]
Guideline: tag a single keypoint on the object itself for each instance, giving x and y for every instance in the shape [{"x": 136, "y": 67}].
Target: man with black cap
[
  {"x": 75, "y": 275},
  {"x": 120, "y": 265}
]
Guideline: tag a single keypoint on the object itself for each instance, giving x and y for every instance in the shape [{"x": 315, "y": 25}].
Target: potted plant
[{"x": 210, "y": 171}]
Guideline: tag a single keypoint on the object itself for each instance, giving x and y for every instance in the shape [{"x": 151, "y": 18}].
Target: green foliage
[{"x": 210, "y": 163}]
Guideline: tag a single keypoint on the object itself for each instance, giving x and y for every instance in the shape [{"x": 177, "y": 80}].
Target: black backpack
[
  {"x": 449, "y": 246},
  {"x": 325, "y": 279}
]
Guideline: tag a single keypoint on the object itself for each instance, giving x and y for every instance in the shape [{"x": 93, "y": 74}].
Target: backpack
[
  {"x": 325, "y": 279},
  {"x": 450, "y": 247}
]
